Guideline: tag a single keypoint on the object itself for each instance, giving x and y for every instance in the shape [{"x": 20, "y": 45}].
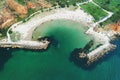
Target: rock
[
  {"x": 6, "y": 18},
  {"x": 31, "y": 5},
  {"x": 115, "y": 26},
  {"x": 82, "y": 55}
]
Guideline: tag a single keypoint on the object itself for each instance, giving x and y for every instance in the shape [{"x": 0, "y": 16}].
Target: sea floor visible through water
[{"x": 54, "y": 63}]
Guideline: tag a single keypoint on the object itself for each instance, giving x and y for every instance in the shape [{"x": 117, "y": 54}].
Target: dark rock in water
[
  {"x": 43, "y": 38},
  {"x": 51, "y": 39},
  {"x": 75, "y": 58},
  {"x": 79, "y": 56}
]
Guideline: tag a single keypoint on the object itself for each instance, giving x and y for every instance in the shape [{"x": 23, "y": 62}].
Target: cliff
[
  {"x": 20, "y": 9},
  {"x": 6, "y": 18},
  {"x": 42, "y": 4},
  {"x": 115, "y": 26},
  {"x": 12, "y": 11}
]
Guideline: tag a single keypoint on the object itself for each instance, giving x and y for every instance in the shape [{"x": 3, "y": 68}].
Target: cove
[{"x": 54, "y": 63}]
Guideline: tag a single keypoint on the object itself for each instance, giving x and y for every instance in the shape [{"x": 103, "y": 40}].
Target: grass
[
  {"x": 94, "y": 10},
  {"x": 30, "y": 11},
  {"x": 110, "y": 5},
  {"x": 22, "y": 2},
  {"x": 3, "y": 33},
  {"x": 63, "y": 3}
]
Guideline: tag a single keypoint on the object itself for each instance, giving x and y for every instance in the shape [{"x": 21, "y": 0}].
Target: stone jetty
[
  {"x": 97, "y": 53},
  {"x": 36, "y": 45},
  {"x": 102, "y": 50}
]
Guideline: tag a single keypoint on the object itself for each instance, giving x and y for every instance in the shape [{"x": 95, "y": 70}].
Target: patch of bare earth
[
  {"x": 42, "y": 4},
  {"x": 115, "y": 26},
  {"x": 6, "y": 18},
  {"x": 20, "y": 9},
  {"x": 8, "y": 15}
]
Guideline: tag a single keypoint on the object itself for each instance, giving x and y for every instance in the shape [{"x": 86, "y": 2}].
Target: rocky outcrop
[
  {"x": 42, "y": 3},
  {"x": 115, "y": 26},
  {"x": 97, "y": 55},
  {"x": 6, "y": 18},
  {"x": 31, "y": 5},
  {"x": 20, "y": 9}
]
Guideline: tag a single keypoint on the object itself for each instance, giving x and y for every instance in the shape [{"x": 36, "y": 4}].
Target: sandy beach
[
  {"x": 78, "y": 15},
  {"x": 26, "y": 28}
]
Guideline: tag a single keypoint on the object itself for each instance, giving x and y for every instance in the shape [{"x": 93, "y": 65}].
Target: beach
[
  {"x": 50, "y": 64},
  {"x": 66, "y": 27},
  {"x": 25, "y": 29},
  {"x": 29, "y": 26}
]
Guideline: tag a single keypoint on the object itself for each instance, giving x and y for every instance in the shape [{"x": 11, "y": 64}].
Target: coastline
[
  {"x": 26, "y": 28},
  {"x": 62, "y": 42},
  {"x": 100, "y": 51}
]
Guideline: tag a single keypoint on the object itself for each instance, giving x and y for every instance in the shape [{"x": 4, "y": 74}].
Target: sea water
[{"x": 54, "y": 63}]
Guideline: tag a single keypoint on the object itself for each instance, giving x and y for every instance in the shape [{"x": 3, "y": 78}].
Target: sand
[{"x": 26, "y": 28}]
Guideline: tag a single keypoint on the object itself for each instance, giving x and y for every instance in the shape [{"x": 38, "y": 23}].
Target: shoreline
[
  {"x": 26, "y": 29},
  {"x": 102, "y": 50}
]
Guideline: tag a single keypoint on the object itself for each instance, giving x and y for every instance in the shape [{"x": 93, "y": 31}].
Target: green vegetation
[
  {"x": 110, "y": 5},
  {"x": 22, "y": 2},
  {"x": 19, "y": 18},
  {"x": 94, "y": 10},
  {"x": 10, "y": 31},
  {"x": 30, "y": 11},
  {"x": 64, "y": 3},
  {"x": 3, "y": 31}
]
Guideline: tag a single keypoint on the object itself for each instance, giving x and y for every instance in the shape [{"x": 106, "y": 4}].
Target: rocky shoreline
[
  {"x": 97, "y": 56},
  {"x": 90, "y": 59}
]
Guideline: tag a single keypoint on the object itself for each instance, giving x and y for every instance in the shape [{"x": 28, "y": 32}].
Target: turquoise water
[{"x": 54, "y": 64}]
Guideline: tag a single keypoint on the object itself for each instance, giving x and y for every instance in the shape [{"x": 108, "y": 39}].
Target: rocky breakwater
[
  {"x": 100, "y": 51},
  {"x": 97, "y": 53},
  {"x": 35, "y": 45}
]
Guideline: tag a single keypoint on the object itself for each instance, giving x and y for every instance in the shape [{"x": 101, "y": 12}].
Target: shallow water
[{"x": 54, "y": 63}]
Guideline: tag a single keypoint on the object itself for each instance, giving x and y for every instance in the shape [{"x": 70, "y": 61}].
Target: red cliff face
[
  {"x": 6, "y": 18},
  {"x": 23, "y": 10},
  {"x": 8, "y": 15},
  {"x": 115, "y": 26},
  {"x": 42, "y": 4},
  {"x": 31, "y": 5},
  {"x": 20, "y": 9}
]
